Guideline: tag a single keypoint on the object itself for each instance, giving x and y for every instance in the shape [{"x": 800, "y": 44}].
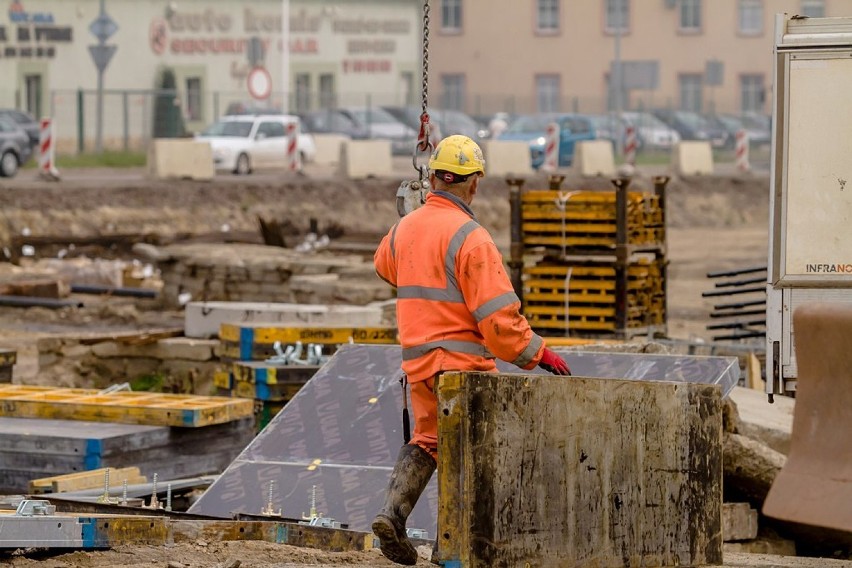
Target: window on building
[
  {"x": 812, "y": 8},
  {"x": 547, "y": 93},
  {"x": 691, "y": 87},
  {"x": 752, "y": 93},
  {"x": 750, "y": 16},
  {"x": 548, "y": 16},
  {"x": 690, "y": 15},
  {"x": 303, "y": 92},
  {"x": 617, "y": 15},
  {"x": 454, "y": 91},
  {"x": 193, "y": 98},
  {"x": 327, "y": 94},
  {"x": 451, "y": 15}
]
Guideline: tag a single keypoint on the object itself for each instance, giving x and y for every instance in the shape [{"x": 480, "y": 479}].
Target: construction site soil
[{"x": 714, "y": 223}]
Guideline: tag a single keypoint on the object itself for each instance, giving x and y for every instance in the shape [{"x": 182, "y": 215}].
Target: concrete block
[
  {"x": 692, "y": 158},
  {"x": 328, "y": 148},
  {"x": 186, "y": 348},
  {"x": 181, "y": 158},
  {"x": 771, "y": 424},
  {"x": 739, "y": 522},
  {"x": 579, "y": 472},
  {"x": 361, "y": 159},
  {"x": 507, "y": 157},
  {"x": 203, "y": 319},
  {"x": 594, "y": 158}
]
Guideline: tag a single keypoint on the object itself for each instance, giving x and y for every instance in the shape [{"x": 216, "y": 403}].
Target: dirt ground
[{"x": 714, "y": 223}]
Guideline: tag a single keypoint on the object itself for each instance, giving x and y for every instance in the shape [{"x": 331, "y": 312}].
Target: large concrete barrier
[
  {"x": 594, "y": 158},
  {"x": 328, "y": 148},
  {"x": 507, "y": 157},
  {"x": 180, "y": 158},
  {"x": 814, "y": 488},
  {"x": 361, "y": 159},
  {"x": 545, "y": 471},
  {"x": 692, "y": 158}
]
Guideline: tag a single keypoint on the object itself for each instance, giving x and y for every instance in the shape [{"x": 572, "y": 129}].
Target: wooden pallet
[{"x": 156, "y": 409}]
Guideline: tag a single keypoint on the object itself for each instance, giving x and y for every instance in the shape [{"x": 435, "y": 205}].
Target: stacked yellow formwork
[{"x": 594, "y": 261}]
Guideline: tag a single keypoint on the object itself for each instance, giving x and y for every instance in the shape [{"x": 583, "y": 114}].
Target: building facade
[
  {"x": 485, "y": 56},
  {"x": 219, "y": 52},
  {"x": 542, "y": 55}
]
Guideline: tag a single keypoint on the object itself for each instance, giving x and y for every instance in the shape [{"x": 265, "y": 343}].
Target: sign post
[{"x": 103, "y": 28}]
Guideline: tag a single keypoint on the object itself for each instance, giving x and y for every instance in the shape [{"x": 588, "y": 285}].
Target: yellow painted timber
[
  {"x": 156, "y": 409},
  {"x": 575, "y": 341},
  {"x": 265, "y": 333}
]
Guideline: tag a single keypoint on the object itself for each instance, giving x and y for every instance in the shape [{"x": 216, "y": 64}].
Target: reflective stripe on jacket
[{"x": 456, "y": 308}]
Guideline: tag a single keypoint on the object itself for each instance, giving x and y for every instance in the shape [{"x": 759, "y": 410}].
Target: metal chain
[
  {"x": 424, "y": 141},
  {"x": 426, "y": 19}
]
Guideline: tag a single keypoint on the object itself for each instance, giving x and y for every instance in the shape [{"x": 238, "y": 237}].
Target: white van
[{"x": 244, "y": 143}]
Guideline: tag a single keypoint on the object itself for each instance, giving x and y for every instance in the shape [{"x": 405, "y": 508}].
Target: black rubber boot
[{"x": 413, "y": 469}]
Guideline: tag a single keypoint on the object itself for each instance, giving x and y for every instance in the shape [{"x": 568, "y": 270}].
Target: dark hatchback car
[
  {"x": 693, "y": 126},
  {"x": 332, "y": 122},
  {"x": 15, "y": 148},
  {"x": 26, "y": 121}
]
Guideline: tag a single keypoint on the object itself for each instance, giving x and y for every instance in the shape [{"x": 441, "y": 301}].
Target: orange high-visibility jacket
[{"x": 456, "y": 308}]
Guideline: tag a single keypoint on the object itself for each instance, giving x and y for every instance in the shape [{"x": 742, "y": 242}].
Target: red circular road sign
[{"x": 259, "y": 83}]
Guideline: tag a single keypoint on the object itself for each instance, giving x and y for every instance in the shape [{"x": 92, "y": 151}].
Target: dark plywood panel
[{"x": 347, "y": 417}]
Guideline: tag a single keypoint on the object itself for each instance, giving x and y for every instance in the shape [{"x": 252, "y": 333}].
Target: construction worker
[{"x": 456, "y": 311}]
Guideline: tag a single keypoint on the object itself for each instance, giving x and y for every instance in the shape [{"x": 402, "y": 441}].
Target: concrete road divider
[
  {"x": 692, "y": 158},
  {"x": 593, "y": 158},
  {"x": 507, "y": 157},
  {"x": 328, "y": 148},
  {"x": 181, "y": 158},
  {"x": 360, "y": 159}
]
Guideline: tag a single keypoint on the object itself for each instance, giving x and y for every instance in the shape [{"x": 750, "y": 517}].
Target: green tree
[{"x": 168, "y": 119}]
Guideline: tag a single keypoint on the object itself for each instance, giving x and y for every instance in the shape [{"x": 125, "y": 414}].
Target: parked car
[
  {"x": 447, "y": 122},
  {"x": 26, "y": 121},
  {"x": 609, "y": 127},
  {"x": 244, "y": 143},
  {"x": 693, "y": 126},
  {"x": 651, "y": 132},
  {"x": 15, "y": 148},
  {"x": 759, "y": 128},
  {"x": 331, "y": 121},
  {"x": 380, "y": 124},
  {"x": 533, "y": 129}
]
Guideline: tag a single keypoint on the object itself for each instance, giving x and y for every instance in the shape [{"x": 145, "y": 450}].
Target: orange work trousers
[{"x": 424, "y": 406}]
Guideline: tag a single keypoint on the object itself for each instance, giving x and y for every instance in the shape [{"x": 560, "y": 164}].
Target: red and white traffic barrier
[
  {"x": 551, "y": 148},
  {"x": 46, "y": 146},
  {"x": 294, "y": 158},
  {"x": 741, "y": 151},
  {"x": 630, "y": 145}
]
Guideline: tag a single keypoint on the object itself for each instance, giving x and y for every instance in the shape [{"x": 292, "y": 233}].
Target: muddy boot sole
[{"x": 395, "y": 548}]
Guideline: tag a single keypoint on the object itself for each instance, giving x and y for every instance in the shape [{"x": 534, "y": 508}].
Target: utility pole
[
  {"x": 285, "y": 56},
  {"x": 618, "y": 78}
]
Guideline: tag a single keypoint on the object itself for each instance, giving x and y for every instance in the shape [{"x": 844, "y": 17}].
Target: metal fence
[{"x": 131, "y": 118}]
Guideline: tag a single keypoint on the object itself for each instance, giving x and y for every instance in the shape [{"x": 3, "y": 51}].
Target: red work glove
[{"x": 553, "y": 363}]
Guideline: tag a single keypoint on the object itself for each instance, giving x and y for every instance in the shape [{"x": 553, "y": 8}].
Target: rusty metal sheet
[{"x": 342, "y": 432}]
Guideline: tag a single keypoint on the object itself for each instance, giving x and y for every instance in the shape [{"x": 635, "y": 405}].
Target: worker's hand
[{"x": 553, "y": 363}]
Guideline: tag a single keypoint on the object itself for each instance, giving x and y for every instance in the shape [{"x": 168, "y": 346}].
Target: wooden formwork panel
[
  {"x": 587, "y": 219},
  {"x": 604, "y": 472},
  {"x": 156, "y": 409}
]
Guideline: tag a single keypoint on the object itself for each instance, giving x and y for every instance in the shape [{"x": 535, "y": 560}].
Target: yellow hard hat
[{"x": 459, "y": 155}]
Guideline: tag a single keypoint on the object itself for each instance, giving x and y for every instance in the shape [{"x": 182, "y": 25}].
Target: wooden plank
[
  {"x": 22, "y": 401},
  {"x": 608, "y": 473}
]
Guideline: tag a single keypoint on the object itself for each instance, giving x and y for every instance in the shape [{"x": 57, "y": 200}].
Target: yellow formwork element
[
  {"x": 325, "y": 335},
  {"x": 155, "y": 409}
]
